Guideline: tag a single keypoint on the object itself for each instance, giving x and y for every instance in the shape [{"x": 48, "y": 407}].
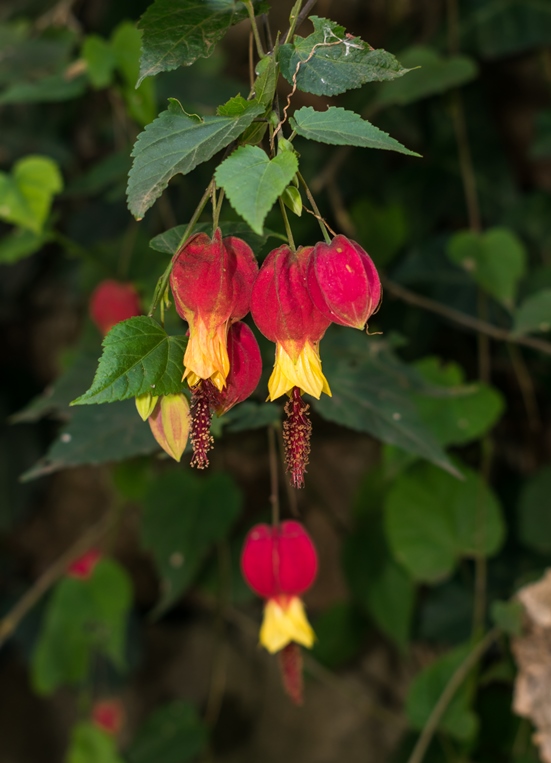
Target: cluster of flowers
[{"x": 292, "y": 298}]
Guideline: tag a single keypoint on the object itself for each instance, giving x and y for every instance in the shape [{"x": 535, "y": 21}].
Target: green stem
[
  {"x": 216, "y": 211},
  {"x": 293, "y": 18},
  {"x": 448, "y": 694},
  {"x": 258, "y": 41},
  {"x": 315, "y": 207},
  {"x": 162, "y": 283},
  {"x": 288, "y": 230}
]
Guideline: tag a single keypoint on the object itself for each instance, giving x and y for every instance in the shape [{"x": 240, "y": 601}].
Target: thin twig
[
  {"x": 299, "y": 19},
  {"x": 448, "y": 694},
  {"x": 462, "y": 319},
  {"x": 526, "y": 386},
  {"x": 274, "y": 476},
  {"x": 90, "y": 539}
]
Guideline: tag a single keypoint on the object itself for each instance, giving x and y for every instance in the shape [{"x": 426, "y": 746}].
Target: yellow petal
[
  {"x": 145, "y": 405},
  {"x": 285, "y": 622},
  {"x": 206, "y": 355},
  {"x": 305, "y": 373}
]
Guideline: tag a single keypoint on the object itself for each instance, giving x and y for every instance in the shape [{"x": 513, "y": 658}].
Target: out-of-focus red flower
[
  {"x": 108, "y": 715},
  {"x": 83, "y": 567},
  {"x": 112, "y": 302}
]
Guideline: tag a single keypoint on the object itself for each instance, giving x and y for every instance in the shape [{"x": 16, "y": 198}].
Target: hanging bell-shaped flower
[{"x": 112, "y": 302}]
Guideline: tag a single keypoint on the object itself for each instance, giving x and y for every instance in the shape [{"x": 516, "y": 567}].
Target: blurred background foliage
[{"x": 416, "y": 564}]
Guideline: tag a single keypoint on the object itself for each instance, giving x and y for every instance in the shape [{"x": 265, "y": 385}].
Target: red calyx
[
  {"x": 112, "y": 302},
  {"x": 279, "y": 561},
  {"x": 280, "y": 303},
  {"x": 343, "y": 282},
  {"x": 245, "y": 367}
]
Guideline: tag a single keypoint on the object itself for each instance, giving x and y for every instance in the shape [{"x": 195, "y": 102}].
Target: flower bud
[
  {"x": 112, "y": 302},
  {"x": 145, "y": 405},
  {"x": 170, "y": 423},
  {"x": 343, "y": 282}
]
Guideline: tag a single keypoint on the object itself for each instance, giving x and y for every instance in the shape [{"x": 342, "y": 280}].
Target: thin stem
[
  {"x": 315, "y": 207},
  {"x": 293, "y": 19},
  {"x": 288, "y": 230},
  {"x": 256, "y": 33},
  {"x": 216, "y": 211},
  {"x": 462, "y": 319},
  {"x": 448, "y": 694},
  {"x": 526, "y": 386},
  {"x": 162, "y": 283},
  {"x": 91, "y": 538},
  {"x": 274, "y": 476},
  {"x": 296, "y": 22}
]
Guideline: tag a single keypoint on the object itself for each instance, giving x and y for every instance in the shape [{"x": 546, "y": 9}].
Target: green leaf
[
  {"x": 177, "y": 34},
  {"x": 340, "y": 127},
  {"x": 26, "y": 196},
  {"x": 534, "y": 517},
  {"x": 436, "y": 75},
  {"x": 253, "y": 182},
  {"x": 100, "y": 61},
  {"x": 463, "y": 412},
  {"x": 458, "y": 720},
  {"x": 382, "y": 587},
  {"x": 21, "y": 243},
  {"x": 47, "y": 90},
  {"x": 174, "y": 733},
  {"x": 507, "y": 27},
  {"x": 97, "y": 435},
  {"x": 169, "y": 241},
  {"x": 372, "y": 392},
  {"x": 534, "y": 314},
  {"x": 184, "y": 515},
  {"x": 90, "y": 744},
  {"x": 496, "y": 261},
  {"x": 340, "y": 633},
  {"x": 176, "y": 143},
  {"x": 433, "y": 520},
  {"x": 334, "y": 67},
  {"x": 82, "y": 617},
  {"x": 509, "y": 616},
  {"x": 138, "y": 357}
]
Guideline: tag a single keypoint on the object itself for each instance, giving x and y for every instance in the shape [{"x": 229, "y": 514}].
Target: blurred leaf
[
  {"x": 251, "y": 415},
  {"x": 470, "y": 410},
  {"x": 184, "y": 515},
  {"x": 383, "y": 588},
  {"x": 175, "y": 143},
  {"x": 169, "y": 241},
  {"x": 26, "y": 196},
  {"x": 534, "y": 313},
  {"x": 90, "y": 744},
  {"x": 97, "y": 435},
  {"x": 340, "y": 633},
  {"x": 534, "y": 517},
  {"x": 20, "y": 243},
  {"x": 253, "y": 182},
  {"x": 100, "y": 60},
  {"x": 445, "y": 613},
  {"x": 436, "y": 74},
  {"x": 82, "y": 617},
  {"x": 172, "y": 734},
  {"x": 47, "y": 90},
  {"x": 496, "y": 260},
  {"x": 505, "y": 27},
  {"x": 107, "y": 172},
  {"x": 372, "y": 392},
  {"x": 433, "y": 519},
  {"x": 340, "y": 127},
  {"x": 138, "y": 357},
  {"x": 334, "y": 67},
  {"x": 509, "y": 616},
  {"x": 541, "y": 147},
  {"x": 458, "y": 720},
  {"x": 382, "y": 230},
  {"x": 176, "y": 35},
  {"x": 126, "y": 43},
  {"x": 27, "y": 57}
]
